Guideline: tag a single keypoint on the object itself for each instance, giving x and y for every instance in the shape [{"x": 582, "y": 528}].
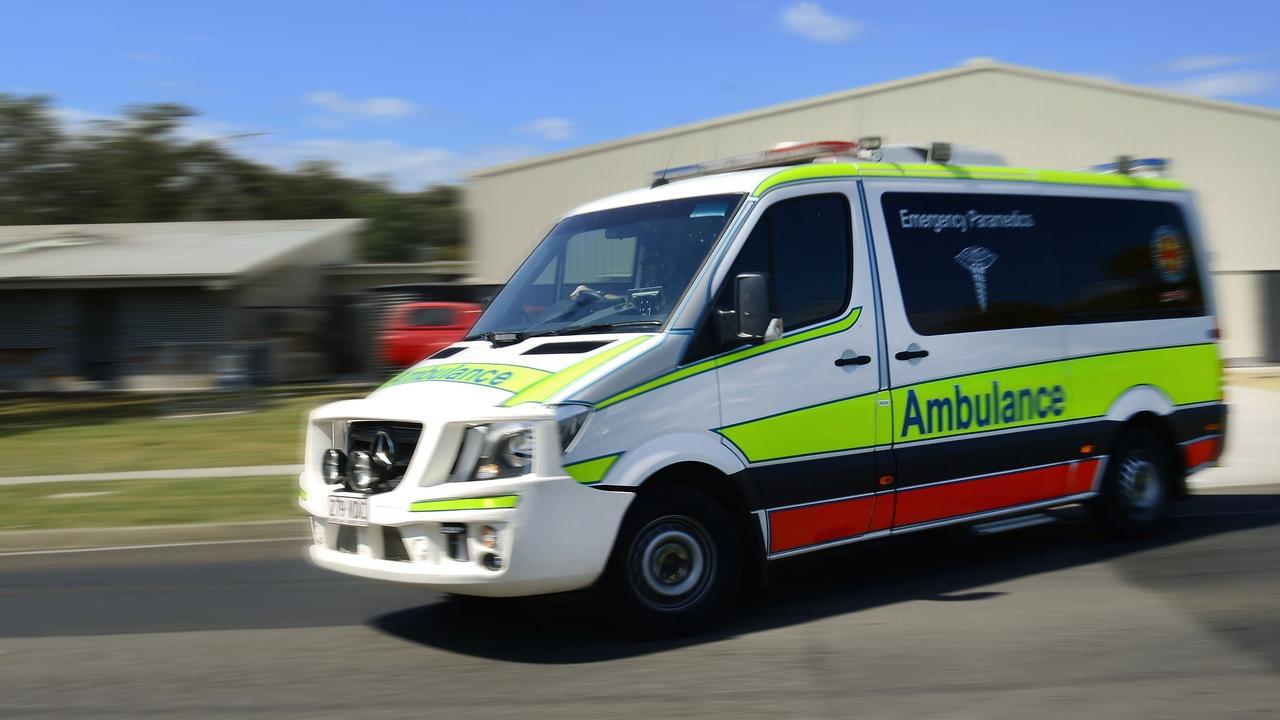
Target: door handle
[
  {"x": 855, "y": 360},
  {"x": 911, "y": 354}
]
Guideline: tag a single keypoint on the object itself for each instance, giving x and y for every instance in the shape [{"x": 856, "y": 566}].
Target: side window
[
  {"x": 973, "y": 262},
  {"x": 1127, "y": 260},
  {"x": 804, "y": 244},
  {"x": 432, "y": 317}
]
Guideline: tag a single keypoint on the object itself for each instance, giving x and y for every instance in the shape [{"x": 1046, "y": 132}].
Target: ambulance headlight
[
  {"x": 514, "y": 447},
  {"x": 494, "y": 452},
  {"x": 362, "y": 474},
  {"x": 333, "y": 465}
]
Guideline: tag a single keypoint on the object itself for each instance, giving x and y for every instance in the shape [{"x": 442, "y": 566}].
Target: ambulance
[{"x": 781, "y": 353}]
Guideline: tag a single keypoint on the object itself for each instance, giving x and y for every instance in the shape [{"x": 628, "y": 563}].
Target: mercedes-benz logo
[{"x": 384, "y": 449}]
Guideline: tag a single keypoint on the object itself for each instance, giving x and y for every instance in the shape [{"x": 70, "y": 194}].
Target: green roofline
[{"x": 822, "y": 171}]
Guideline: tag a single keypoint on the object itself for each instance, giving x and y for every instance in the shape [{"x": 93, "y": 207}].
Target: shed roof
[
  {"x": 977, "y": 65},
  {"x": 156, "y": 250}
]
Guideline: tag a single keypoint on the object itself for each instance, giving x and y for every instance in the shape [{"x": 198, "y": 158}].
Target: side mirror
[{"x": 756, "y": 320}]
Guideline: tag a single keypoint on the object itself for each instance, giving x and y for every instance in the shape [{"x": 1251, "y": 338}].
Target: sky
[{"x": 422, "y": 92}]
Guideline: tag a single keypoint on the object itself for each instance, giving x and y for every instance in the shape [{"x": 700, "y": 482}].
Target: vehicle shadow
[{"x": 943, "y": 566}]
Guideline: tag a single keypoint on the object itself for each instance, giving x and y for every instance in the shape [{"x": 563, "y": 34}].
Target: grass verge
[
  {"x": 1264, "y": 380},
  {"x": 127, "y": 503},
  {"x": 117, "y": 433}
]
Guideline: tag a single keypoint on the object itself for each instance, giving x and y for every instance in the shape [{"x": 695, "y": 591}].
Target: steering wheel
[{"x": 595, "y": 296}]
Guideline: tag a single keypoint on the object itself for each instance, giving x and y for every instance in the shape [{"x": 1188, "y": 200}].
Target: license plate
[{"x": 349, "y": 510}]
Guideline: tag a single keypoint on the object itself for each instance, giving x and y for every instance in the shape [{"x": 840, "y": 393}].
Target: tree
[
  {"x": 139, "y": 168},
  {"x": 33, "y": 169}
]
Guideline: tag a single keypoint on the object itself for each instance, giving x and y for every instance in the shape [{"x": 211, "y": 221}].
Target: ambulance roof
[{"x": 757, "y": 182}]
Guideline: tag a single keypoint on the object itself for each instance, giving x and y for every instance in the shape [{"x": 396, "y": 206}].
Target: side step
[{"x": 1013, "y": 523}]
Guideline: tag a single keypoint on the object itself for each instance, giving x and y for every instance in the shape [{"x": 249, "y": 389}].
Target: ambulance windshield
[{"x": 619, "y": 270}]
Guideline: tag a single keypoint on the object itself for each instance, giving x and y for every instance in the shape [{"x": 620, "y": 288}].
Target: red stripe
[
  {"x": 882, "y": 512},
  {"x": 1201, "y": 451},
  {"x": 989, "y": 493},
  {"x": 813, "y": 524},
  {"x": 1083, "y": 475}
]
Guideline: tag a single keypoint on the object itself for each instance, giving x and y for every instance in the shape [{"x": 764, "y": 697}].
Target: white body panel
[
  {"x": 653, "y": 409},
  {"x": 750, "y": 390}
]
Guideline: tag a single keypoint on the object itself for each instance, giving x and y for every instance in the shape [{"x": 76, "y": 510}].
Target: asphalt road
[{"x": 1046, "y": 622}]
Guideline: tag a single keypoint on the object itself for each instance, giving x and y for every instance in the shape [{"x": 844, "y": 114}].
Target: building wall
[
  {"x": 106, "y": 334},
  {"x": 37, "y": 334},
  {"x": 1034, "y": 119}
]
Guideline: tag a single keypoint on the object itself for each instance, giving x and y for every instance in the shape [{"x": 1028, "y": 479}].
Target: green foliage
[{"x": 140, "y": 169}]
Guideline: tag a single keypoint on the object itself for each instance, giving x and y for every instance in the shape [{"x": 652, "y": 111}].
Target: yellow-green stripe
[
  {"x": 591, "y": 471},
  {"x": 846, "y": 424},
  {"x": 509, "y": 378},
  {"x": 1186, "y": 374},
  {"x": 545, "y": 388},
  {"x": 495, "y": 502},
  {"x": 960, "y": 172},
  {"x": 832, "y": 328}
]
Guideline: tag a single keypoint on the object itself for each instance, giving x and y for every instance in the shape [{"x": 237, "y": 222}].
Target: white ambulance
[{"x": 782, "y": 353}]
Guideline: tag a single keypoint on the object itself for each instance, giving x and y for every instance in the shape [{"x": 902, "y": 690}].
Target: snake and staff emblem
[{"x": 976, "y": 259}]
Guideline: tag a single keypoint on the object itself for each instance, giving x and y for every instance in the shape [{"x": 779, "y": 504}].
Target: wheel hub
[
  {"x": 671, "y": 562},
  {"x": 1140, "y": 484}
]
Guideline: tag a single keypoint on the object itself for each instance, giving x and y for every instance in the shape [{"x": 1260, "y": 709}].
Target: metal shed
[{"x": 114, "y": 304}]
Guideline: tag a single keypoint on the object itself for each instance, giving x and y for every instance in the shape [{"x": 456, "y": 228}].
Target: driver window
[{"x": 804, "y": 244}]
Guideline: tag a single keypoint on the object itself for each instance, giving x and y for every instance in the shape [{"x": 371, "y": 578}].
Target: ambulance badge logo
[
  {"x": 1169, "y": 254},
  {"x": 976, "y": 259}
]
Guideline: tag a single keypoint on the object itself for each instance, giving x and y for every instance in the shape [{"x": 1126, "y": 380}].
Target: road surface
[{"x": 1045, "y": 622}]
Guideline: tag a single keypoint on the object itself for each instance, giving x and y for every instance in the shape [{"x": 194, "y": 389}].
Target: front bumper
[{"x": 556, "y": 537}]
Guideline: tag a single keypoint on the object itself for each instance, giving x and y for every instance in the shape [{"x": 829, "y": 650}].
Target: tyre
[
  {"x": 1134, "y": 496},
  {"x": 676, "y": 565}
]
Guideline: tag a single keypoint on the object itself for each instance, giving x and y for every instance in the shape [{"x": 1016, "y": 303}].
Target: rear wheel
[
  {"x": 676, "y": 564},
  {"x": 1134, "y": 496}
]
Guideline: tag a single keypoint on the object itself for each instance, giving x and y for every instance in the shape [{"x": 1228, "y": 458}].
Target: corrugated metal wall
[
  {"x": 171, "y": 330},
  {"x": 1226, "y": 154},
  {"x": 37, "y": 336},
  {"x": 104, "y": 334}
]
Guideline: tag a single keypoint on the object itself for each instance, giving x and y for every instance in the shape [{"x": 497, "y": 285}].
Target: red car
[{"x": 416, "y": 330}]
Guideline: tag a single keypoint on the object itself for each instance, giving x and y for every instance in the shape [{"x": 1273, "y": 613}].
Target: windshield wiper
[
  {"x": 511, "y": 337},
  {"x": 605, "y": 327}
]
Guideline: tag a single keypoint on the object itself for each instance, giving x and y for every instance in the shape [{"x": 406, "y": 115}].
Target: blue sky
[{"x": 424, "y": 91}]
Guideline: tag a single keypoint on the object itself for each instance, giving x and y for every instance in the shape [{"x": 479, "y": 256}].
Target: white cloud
[
  {"x": 373, "y": 108},
  {"x": 552, "y": 129},
  {"x": 78, "y": 122},
  {"x": 809, "y": 20},
  {"x": 406, "y": 167},
  {"x": 1200, "y": 63},
  {"x": 1238, "y": 83}
]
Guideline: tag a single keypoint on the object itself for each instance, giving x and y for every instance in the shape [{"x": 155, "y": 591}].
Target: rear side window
[
  {"x": 804, "y": 244},
  {"x": 972, "y": 262},
  {"x": 1126, "y": 260},
  {"x": 429, "y": 317}
]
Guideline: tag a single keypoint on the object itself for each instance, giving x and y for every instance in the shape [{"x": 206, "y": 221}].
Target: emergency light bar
[
  {"x": 1125, "y": 165},
  {"x": 780, "y": 154}
]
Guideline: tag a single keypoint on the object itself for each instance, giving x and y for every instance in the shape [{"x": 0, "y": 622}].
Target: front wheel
[
  {"x": 1134, "y": 496},
  {"x": 676, "y": 564}
]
